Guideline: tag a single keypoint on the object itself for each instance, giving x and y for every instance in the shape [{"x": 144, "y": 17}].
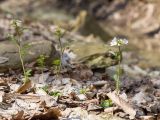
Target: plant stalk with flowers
[
  {"x": 17, "y": 39},
  {"x": 118, "y": 43},
  {"x": 58, "y": 62}
]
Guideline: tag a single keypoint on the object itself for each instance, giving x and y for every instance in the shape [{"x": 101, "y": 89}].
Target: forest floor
[{"x": 85, "y": 89}]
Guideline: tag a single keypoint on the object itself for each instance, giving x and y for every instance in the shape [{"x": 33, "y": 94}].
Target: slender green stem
[
  {"x": 118, "y": 78},
  {"x": 118, "y": 70},
  {"x": 17, "y": 39},
  {"x": 22, "y": 63},
  {"x": 21, "y": 58},
  {"x": 61, "y": 55}
]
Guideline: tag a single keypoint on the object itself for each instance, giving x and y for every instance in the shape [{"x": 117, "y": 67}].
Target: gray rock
[
  {"x": 9, "y": 50},
  {"x": 95, "y": 54}
]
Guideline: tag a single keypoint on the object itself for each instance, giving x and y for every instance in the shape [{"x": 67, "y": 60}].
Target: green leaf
[
  {"x": 106, "y": 103},
  {"x": 28, "y": 72},
  {"x": 55, "y": 93},
  {"x": 82, "y": 91},
  {"x": 56, "y": 62},
  {"x": 41, "y": 60}
]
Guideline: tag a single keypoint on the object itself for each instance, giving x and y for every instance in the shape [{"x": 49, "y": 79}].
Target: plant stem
[
  {"x": 22, "y": 63},
  {"x": 118, "y": 71},
  {"x": 61, "y": 54}
]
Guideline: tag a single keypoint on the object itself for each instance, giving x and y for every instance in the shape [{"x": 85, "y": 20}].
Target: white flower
[
  {"x": 113, "y": 42},
  {"x": 57, "y": 30},
  {"x": 118, "y": 42},
  {"x": 53, "y": 28},
  {"x": 16, "y": 23}
]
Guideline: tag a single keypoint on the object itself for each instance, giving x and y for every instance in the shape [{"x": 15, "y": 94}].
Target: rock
[
  {"x": 95, "y": 54},
  {"x": 37, "y": 36},
  {"x": 3, "y": 60},
  {"x": 10, "y": 51},
  {"x": 89, "y": 50}
]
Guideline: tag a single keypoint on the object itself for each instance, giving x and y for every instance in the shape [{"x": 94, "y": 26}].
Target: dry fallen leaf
[
  {"x": 24, "y": 87},
  {"x": 19, "y": 115},
  {"x": 78, "y": 113},
  {"x": 9, "y": 113},
  {"x": 123, "y": 104},
  {"x": 110, "y": 109},
  {"x": 52, "y": 113},
  {"x": 3, "y": 82},
  {"x": 147, "y": 118},
  {"x": 1, "y": 96}
]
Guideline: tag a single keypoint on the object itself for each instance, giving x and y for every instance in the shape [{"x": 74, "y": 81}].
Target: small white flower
[
  {"x": 17, "y": 23},
  {"x": 118, "y": 42},
  {"x": 57, "y": 30},
  {"x": 53, "y": 28},
  {"x": 114, "y": 42}
]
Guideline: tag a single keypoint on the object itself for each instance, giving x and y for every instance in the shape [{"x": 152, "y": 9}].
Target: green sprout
[
  {"x": 83, "y": 91},
  {"x": 55, "y": 94},
  {"x": 52, "y": 93},
  {"x": 22, "y": 48},
  {"x": 41, "y": 63},
  {"x": 106, "y": 103},
  {"x": 58, "y": 62},
  {"x": 118, "y": 56},
  {"x": 27, "y": 75}
]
